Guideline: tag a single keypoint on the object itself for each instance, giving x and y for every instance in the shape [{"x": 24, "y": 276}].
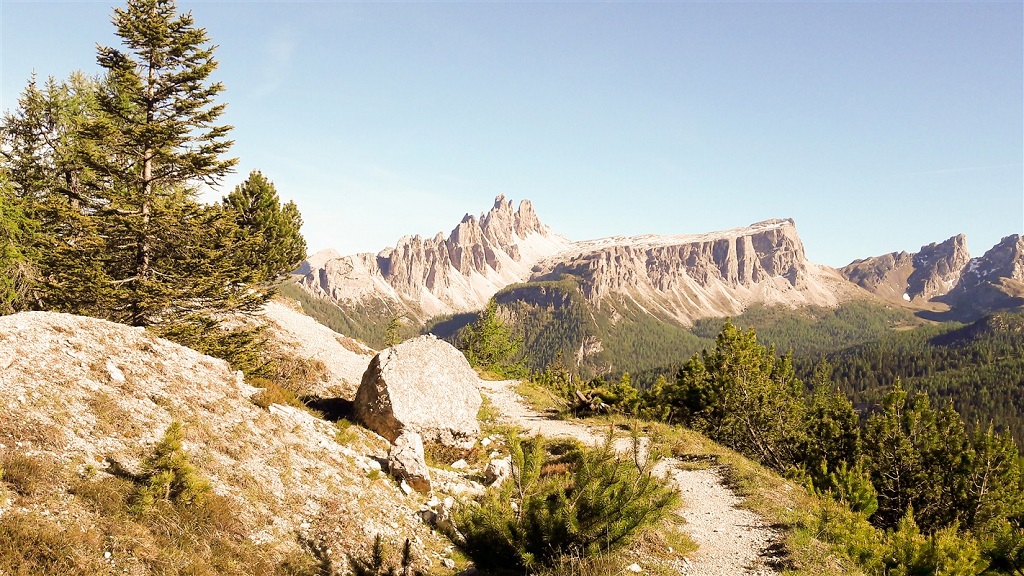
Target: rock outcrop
[
  {"x": 994, "y": 281},
  {"x": 692, "y": 276},
  {"x": 407, "y": 463},
  {"x": 422, "y": 385},
  {"x": 1005, "y": 260},
  {"x": 423, "y": 277}
]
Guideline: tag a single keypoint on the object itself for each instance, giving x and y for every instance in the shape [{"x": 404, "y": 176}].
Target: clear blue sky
[{"x": 877, "y": 126}]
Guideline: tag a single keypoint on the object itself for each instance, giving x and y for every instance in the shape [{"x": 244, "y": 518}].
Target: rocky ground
[{"x": 732, "y": 540}]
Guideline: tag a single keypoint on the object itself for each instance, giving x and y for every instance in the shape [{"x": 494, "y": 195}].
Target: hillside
[
  {"x": 978, "y": 367},
  {"x": 85, "y": 401},
  {"x": 643, "y": 302}
]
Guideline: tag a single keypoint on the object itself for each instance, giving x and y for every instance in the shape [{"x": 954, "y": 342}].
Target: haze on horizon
[{"x": 876, "y": 126}]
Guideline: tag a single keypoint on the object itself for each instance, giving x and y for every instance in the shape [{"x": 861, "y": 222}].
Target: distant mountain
[
  {"x": 621, "y": 303},
  {"x": 686, "y": 277},
  {"x": 943, "y": 278},
  {"x": 420, "y": 278}
]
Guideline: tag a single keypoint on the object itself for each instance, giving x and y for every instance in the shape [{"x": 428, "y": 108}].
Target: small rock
[
  {"x": 115, "y": 373},
  {"x": 497, "y": 471},
  {"x": 448, "y": 562},
  {"x": 459, "y": 464},
  {"x": 634, "y": 567},
  {"x": 106, "y": 554},
  {"x": 405, "y": 487},
  {"x": 406, "y": 461},
  {"x": 374, "y": 465},
  {"x": 486, "y": 442}
]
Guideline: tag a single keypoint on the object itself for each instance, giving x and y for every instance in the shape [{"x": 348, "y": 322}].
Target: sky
[{"x": 876, "y": 126}]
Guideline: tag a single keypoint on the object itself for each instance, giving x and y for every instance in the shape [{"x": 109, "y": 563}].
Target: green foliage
[
  {"x": 980, "y": 368},
  {"x": 376, "y": 564},
  {"x": 585, "y": 502},
  {"x": 270, "y": 243},
  {"x": 366, "y": 324},
  {"x": 168, "y": 476},
  {"x": 851, "y": 486},
  {"x": 16, "y": 274},
  {"x": 489, "y": 345},
  {"x": 946, "y": 553},
  {"x": 812, "y": 330},
  {"x": 832, "y": 440},
  {"x": 101, "y": 214},
  {"x": 153, "y": 140},
  {"x": 391, "y": 332},
  {"x": 741, "y": 394},
  {"x": 558, "y": 326}
]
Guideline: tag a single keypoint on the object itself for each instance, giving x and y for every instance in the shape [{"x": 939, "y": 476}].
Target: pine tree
[
  {"x": 488, "y": 343},
  {"x": 917, "y": 457},
  {"x": 15, "y": 265},
  {"x": 269, "y": 243},
  {"x": 153, "y": 142},
  {"x": 167, "y": 474},
  {"x": 41, "y": 149},
  {"x": 741, "y": 394}
]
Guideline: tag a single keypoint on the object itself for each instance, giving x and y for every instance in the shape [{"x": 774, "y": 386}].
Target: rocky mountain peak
[
  {"x": 1004, "y": 260},
  {"x": 912, "y": 277},
  {"x": 441, "y": 275},
  {"x": 937, "y": 268}
]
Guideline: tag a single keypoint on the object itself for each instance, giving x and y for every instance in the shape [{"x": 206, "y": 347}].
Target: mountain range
[{"x": 674, "y": 278}]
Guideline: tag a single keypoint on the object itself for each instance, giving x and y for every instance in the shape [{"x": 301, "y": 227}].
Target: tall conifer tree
[{"x": 154, "y": 141}]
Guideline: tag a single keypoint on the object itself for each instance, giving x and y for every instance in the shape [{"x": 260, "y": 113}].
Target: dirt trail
[{"x": 732, "y": 540}]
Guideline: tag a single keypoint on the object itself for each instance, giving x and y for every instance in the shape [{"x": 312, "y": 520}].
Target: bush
[{"x": 582, "y": 503}]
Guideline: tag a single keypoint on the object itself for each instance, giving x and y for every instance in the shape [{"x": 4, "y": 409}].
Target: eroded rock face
[
  {"x": 693, "y": 276},
  {"x": 422, "y": 385},
  {"x": 937, "y": 268},
  {"x": 407, "y": 463},
  {"x": 941, "y": 272},
  {"x": 912, "y": 277},
  {"x": 1004, "y": 260},
  {"x": 424, "y": 277}
]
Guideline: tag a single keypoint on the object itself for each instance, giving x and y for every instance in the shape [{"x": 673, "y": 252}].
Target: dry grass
[
  {"x": 28, "y": 475},
  {"x": 352, "y": 345},
  {"x": 540, "y": 398},
  {"x": 203, "y": 538},
  {"x": 111, "y": 418}
]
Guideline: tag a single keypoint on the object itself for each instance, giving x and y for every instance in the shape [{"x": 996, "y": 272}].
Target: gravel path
[{"x": 732, "y": 540}]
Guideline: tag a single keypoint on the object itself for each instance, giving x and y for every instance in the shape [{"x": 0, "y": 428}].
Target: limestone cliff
[
  {"x": 993, "y": 281},
  {"x": 681, "y": 278},
  {"x": 423, "y": 277}
]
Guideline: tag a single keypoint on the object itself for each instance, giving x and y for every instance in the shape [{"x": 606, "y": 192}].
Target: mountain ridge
[{"x": 677, "y": 278}]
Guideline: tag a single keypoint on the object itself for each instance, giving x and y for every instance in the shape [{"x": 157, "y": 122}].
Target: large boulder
[{"x": 423, "y": 385}]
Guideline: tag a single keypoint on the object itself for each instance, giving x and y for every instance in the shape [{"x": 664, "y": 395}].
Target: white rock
[
  {"x": 115, "y": 373},
  {"x": 634, "y": 567},
  {"x": 459, "y": 464}
]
